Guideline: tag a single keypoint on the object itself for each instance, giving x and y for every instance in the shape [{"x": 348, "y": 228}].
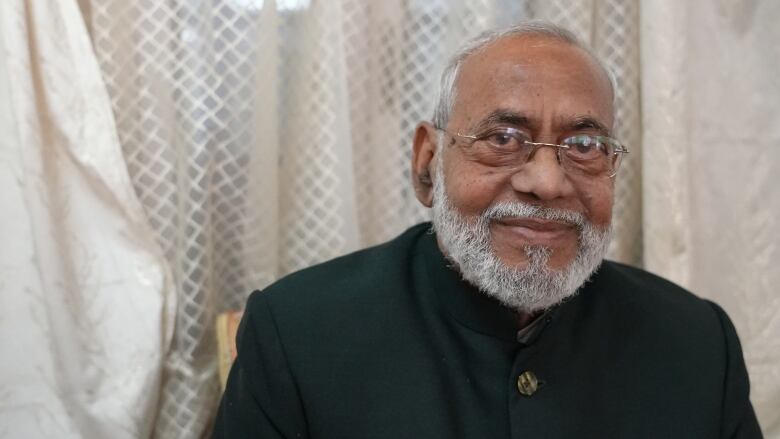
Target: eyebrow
[
  {"x": 587, "y": 122},
  {"x": 513, "y": 118},
  {"x": 502, "y": 117}
]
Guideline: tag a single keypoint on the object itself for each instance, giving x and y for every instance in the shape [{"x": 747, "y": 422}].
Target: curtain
[
  {"x": 710, "y": 93},
  {"x": 85, "y": 305},
  {"x": 252, "y": 138}
]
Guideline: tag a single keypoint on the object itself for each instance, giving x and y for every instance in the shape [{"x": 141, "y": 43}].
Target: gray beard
[{"x": 529, "y": 289}]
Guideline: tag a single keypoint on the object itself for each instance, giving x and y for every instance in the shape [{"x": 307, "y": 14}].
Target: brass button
[{"x": 527, "y": 383}]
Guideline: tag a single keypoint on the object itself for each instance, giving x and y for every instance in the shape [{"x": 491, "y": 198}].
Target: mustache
[{"x": 518, "y": 209}]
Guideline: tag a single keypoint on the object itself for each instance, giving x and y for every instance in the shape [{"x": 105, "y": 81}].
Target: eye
[
  {"x": 501, "y": 139},
  {"x": 505, "y": 139},
  {"x": 587, "y": 147}
]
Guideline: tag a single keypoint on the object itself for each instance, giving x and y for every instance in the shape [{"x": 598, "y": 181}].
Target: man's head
[{"x": 527, "y": 230}]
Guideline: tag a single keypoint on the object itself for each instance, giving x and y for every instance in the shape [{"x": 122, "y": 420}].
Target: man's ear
[{"x": 423, "y": 152}]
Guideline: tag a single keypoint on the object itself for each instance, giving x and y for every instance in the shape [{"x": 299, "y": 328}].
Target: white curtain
[
  {"x": 263, "y": 136},
  {"x": 85, "y": 309},
  {"x": 711, "y": 94}
]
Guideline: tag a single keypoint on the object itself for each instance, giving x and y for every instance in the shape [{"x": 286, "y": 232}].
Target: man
[{"x": 494, "y": 326}]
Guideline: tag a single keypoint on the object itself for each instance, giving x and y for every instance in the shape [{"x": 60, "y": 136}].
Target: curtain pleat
[{"x": 85, "y": 302}]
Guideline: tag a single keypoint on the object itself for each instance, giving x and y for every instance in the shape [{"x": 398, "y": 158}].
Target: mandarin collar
[{"x": 469, "y": 306}]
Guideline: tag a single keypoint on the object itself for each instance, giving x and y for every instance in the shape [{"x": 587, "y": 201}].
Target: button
[{"x": 527, "y": 383}]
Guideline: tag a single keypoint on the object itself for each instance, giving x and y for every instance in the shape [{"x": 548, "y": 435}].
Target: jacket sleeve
[
  {"x": 261, "y": 398},
  {"x": 738, "y": 418}
]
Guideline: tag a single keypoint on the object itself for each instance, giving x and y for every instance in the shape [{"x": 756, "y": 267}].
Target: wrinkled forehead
[{"x": 533, "y": 74}]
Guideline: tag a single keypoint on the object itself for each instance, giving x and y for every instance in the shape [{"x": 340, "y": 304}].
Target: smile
[{"x": 535, "y": 231}]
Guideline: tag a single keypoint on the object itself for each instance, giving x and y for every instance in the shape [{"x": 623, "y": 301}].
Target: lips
[{"x": 536, "y": 231}]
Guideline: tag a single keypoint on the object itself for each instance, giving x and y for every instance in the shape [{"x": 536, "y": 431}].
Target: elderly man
[{"x": 505, "y": 321}]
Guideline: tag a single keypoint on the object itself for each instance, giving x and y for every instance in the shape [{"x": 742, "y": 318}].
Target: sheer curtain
[{"x": 264, "y": 136}]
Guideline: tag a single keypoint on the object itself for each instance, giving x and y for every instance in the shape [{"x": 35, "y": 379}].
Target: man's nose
[{"x": 542, "y": 176}]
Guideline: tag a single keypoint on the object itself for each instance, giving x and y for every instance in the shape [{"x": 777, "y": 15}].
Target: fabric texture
[
  {"x": 389, "y": 342},
  {"x": 710, "y": 95},
  {"x": 85, "y": 304}
]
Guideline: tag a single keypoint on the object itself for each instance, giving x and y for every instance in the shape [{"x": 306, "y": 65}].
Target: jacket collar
[{"x": 466, "y": 304}]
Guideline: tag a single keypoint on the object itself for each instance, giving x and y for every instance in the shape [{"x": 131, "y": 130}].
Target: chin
[{"x": 556, "y": 259}]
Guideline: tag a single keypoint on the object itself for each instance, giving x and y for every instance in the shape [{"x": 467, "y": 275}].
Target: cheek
[
  {"x": 470, "y": 190},
  {"x": 598, "y": 200}
]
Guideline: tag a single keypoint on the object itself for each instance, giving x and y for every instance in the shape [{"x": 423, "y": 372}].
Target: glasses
[{"x": 582, "y": 154}]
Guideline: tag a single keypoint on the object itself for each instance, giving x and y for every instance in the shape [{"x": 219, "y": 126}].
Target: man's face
[{"x": 550, "y": 90}]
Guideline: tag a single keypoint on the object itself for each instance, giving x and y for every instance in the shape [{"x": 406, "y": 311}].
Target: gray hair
[{"x": 447, "y": 89}]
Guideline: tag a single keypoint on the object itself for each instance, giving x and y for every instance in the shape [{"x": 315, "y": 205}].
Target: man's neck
[{"x": 524, "y": 319}]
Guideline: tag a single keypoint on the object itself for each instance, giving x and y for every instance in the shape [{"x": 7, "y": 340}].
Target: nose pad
[{"x": 536, "y": 146}]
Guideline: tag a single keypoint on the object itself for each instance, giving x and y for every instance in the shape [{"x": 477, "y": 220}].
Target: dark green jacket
[{"x": 389, "y": 343}]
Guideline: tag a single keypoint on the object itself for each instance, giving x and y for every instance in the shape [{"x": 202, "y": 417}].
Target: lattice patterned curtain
[{"x": 262, "y": 137}]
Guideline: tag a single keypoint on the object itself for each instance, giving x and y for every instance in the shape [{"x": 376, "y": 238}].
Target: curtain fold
[{"x": 85, "y": 304}]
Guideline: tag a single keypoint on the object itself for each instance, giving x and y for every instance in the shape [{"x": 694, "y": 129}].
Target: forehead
[{"x": 540, "y": 77}]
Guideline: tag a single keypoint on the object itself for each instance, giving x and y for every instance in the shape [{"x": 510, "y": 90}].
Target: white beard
[{"x": 528, "y": 289}]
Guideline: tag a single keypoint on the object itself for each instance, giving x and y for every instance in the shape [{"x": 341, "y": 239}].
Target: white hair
[{"x": 447, "y": 85}]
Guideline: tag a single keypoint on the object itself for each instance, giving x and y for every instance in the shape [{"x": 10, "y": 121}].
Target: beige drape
[
  {"x": 85, "y": 309},
  {"x": 169, "y": 157},
  {"x": 711, "y": 127}
]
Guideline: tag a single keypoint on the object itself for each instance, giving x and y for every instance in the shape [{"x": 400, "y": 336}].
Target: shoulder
[
  {"x": 636, "y": 324},
  {"x": 368, "y": 275},
  {"x": 634, "y": 298},
  {"x": 632, "y": 285}
]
